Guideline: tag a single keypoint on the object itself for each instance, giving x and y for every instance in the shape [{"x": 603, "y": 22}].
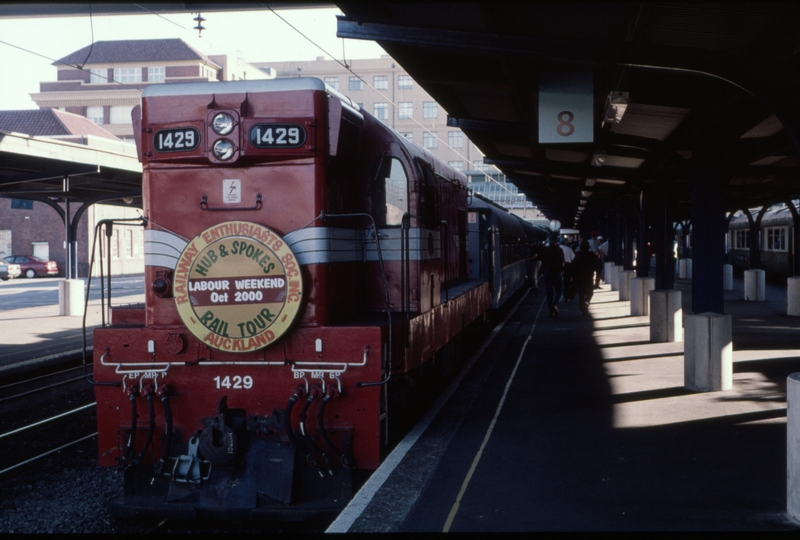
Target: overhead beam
[
  {"x": 511, "y": 128},
  {"x": 762, "y": 77}
]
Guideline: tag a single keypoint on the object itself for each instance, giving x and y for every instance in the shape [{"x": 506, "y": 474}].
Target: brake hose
[
  {"x": 151, "y": 428},
  {"x": 321, "y": 419},
  {"x": 133, "y": 392},
  {"x": 163, "y": 393}
]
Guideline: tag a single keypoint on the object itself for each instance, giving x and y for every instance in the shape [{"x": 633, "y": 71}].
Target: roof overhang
[{"x": 39, "y": 167}]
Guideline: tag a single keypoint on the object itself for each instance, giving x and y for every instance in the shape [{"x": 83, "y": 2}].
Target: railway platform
[
  {"x": 579, "y": 423},
  {"x": 33, "y": 334}
]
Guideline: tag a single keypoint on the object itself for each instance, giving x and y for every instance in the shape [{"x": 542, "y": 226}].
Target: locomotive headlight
[
  {"x": 223, "y": 149},
  {"x": 222, "y": 124}
]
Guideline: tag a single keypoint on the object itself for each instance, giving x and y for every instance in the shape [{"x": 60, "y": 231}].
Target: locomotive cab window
[
  {"x": 390, "y": 193},
  {"x": 429, "y": 196}
]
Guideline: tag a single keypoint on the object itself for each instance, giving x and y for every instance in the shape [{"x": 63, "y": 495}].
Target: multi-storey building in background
[
  {"x": 115, "y": 73},
  {"x": 384, "y": 89}
]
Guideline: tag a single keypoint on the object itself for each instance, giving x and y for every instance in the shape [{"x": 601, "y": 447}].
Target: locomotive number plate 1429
[
  {"x": 176, "y": 140},
  {"x": 277, "y": 135}
]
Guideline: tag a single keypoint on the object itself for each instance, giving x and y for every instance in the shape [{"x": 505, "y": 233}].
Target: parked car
[
  {"x": 9, "y": 271},
  {"x": 33, "y": 266}
]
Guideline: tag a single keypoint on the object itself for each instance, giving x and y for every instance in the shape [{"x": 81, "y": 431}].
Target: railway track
[
  {"x": 49, "y": 478},
  {"x": 43, "y": 415}
]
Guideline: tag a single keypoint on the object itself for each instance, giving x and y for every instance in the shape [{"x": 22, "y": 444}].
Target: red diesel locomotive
[{"x": 308, "y": 272}]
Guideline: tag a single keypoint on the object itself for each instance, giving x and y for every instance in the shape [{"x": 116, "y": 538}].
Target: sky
[{"x": 258, "y": 36}]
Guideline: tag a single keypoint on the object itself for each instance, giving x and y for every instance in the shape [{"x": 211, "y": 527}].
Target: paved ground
[
  {"x": 31, "y": 330},
  {"x": 581, "y": 424},
  {"x": 568, "y": 424}
]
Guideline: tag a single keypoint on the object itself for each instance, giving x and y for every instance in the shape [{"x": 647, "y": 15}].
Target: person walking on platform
[
  {"x": 553, "y": 263},
  {"x": 583, "y": 268},
  {"x": 569, "y": 255},
  {"x": 534, "y": 265}
]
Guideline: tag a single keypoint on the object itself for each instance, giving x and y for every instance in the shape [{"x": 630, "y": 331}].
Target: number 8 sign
[{"x": 566, "y": 105}]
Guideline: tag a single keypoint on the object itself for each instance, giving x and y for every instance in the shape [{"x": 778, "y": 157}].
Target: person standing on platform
[
  {"x": 569, "y": 255},
  {"x": 553, "y": 265},
  {"x": 534, "y": 265},
  {"x": 602, "y": 253},
  {"x": 583, "y": 268}
]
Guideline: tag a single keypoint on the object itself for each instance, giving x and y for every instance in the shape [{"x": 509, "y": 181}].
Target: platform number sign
[
  {"x": 176, "y": 140},
  {"x": 566, "y": 104}
]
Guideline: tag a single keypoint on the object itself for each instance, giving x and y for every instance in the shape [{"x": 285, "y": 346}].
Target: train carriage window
[
  {"x": 743, "y": 239},
  {"x": 390, "y": 193},
  {"x": 776, "y": 239}
]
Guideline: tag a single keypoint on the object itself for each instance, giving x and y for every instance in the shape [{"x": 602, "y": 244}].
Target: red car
[{"x": 33, "y": 266}]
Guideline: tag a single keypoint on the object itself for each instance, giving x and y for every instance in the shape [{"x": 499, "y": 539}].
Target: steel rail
[
  {"x": 46, "y": 421},
  {"x": 47, "y": 453}
]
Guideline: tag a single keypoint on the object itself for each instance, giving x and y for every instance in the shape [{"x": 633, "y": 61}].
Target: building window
[
  {"x": 429, "y": 140},
  {"x": 478, "y": 164},
  {"x": 776, "y": 239},
  {"x": 128, "y": 75},
  {"x": 155, "y": 74},
  {"x": 381, "y": 111},
  {"x": 95, "y": 114},
  {"x": 128, "y": 243},
  {"x": 408, "y": 136},
  {"x": 405, "y": 109},
  {"x": 457, "y": 165},
  {"x": 743, "y": 239},
  {"x": 21, "y": 204},
  {"x": 98, "y": 76},
  {"x": 455, "y": 139},
  {"x": 121, "y": 114},
  {"x": 355, "y": 83},
  {"x": 115, "y": 244},
  {"x": 430, "y": 109},
  {"x": 404, "y": 82},
  {"x": 333, "y": 82},
  {"x": 380, "y": 82}
]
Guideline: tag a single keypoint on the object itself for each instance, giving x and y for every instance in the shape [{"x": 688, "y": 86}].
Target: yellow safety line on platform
[{"x": 465, "y": 484}]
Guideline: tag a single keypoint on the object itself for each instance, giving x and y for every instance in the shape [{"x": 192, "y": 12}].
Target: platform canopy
[
  {"x": 668, "y": 81},
  {"x": 41, "y": 167}
]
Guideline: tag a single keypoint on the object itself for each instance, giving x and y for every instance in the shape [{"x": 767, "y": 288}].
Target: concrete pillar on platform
[
  {"x": 613, "y": 273},
  {"x": 755, "y": 289},
  {"x": 666, "y": 316},
  {"x": 608, "y": 268},
  {"x": 615, "y": 270},
  {"x": 640, "y": 295},
  {"x": 624, "y": 278},
  {"x": 793, "y": 446},
  {"x": 708, "y": 352},
  {"x": 727, "y": 277},
  {"x": 71, "y": 297},
  {"x": 685, "y": 268},
  {"x": 793, "y": 296}
]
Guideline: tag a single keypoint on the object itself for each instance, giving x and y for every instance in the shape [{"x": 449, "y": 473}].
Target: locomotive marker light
[
  {"x": 223, "y": 149},
  {"x": 237, "y": 286},
  {"x": 222, "y": 124}
]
